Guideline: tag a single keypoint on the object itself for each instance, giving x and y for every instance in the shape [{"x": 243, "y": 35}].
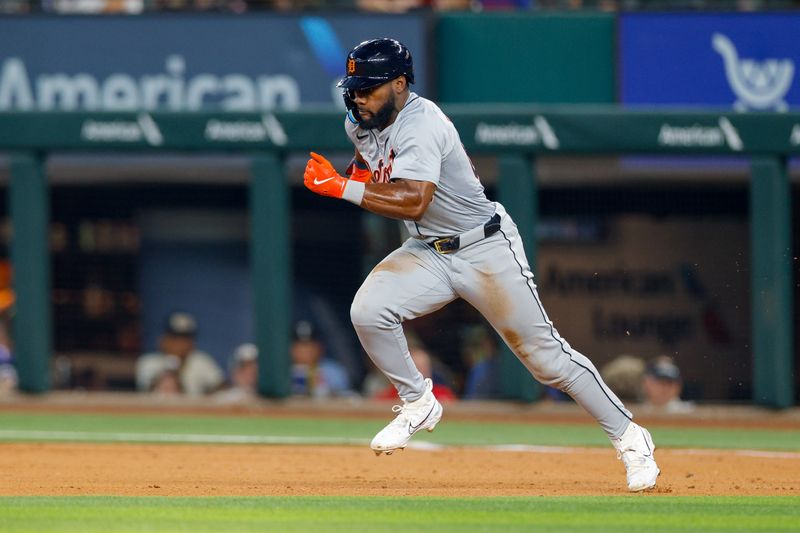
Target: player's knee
[
  {"x": 361, "y": 309},
  {"x": 369, "y": 313},
  {"x": 358, "y": 312},
  {"x": 548, "y": 370}
]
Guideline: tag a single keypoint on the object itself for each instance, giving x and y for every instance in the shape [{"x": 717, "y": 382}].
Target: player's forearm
[
  {"x": 400, "y": 198},
  {"x": 396, "y": 200}
]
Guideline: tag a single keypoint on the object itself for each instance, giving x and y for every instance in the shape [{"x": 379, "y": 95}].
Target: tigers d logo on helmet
[{"x": 351, "y": 66}]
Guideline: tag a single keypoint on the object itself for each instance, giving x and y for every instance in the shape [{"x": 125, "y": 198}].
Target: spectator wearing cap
[
  {"x": 243, "y": 368},
  {"x": 313, "y": 374},
  {"x": 197, "y": 372},
  {"x": 424, "y": 363},
  {"x": 662, "y": 386}
]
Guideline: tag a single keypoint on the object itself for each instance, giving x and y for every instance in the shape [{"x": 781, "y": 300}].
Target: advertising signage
[
  {"x": 747, "y": 62},
  {"x": 187, "y": 63},
  {"x": 511, "y": 129}
]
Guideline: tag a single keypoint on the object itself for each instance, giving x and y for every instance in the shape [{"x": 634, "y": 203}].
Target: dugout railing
[{"x": 517, "y": 134}]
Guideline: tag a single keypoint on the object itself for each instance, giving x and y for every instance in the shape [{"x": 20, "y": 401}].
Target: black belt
[{"x": 447, "y": 245}]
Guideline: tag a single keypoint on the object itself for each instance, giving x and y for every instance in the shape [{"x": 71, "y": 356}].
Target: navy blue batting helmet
[{"x": 375, "y": 62}]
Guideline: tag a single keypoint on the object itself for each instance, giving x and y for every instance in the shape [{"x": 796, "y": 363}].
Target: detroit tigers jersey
[{"x": 422, "y": 144}]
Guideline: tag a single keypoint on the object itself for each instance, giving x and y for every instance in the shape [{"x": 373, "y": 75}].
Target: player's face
[{"x": 376, "y": 106}]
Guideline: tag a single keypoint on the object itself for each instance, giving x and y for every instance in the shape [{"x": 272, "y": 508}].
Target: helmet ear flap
[{"x": 352, "y": 108}]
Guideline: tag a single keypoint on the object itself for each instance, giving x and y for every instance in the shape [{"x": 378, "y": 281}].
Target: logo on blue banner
[
  {"x": 744, "y": 61},
  {"x": 756, "y": 84}
]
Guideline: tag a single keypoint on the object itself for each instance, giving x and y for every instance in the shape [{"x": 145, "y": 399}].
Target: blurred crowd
[
  {"x": 655, "y": 383},
  {"x": 322, "y": 363},
  {"x": 386, "y": 6},
  {"x": 179, "y": 367}
]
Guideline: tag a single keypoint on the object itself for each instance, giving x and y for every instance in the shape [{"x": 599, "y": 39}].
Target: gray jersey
[{"x": 423, "y": 145}]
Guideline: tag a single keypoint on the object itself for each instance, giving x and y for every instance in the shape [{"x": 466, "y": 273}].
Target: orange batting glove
[
  {"x": 359, "y": 171},
  {"x": 320, "y": 177}
]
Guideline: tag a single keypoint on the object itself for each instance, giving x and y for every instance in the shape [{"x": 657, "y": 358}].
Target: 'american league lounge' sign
[{"x": 745, "y": 61}]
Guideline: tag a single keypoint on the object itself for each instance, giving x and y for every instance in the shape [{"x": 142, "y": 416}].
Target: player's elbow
[
  {"x": 417, "y": 195},
  {"x": 419, "y": 206},
  {"x": 418, "y": 212}
]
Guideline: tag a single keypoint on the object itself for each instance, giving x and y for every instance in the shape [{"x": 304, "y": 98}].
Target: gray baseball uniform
[{"x": 492, "y": 274}]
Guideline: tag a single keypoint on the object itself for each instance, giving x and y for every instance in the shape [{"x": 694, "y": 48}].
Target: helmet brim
[{"x": 358, "y": 82}]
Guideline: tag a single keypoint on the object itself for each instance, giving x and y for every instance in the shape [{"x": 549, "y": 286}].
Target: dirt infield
[
  {"x": 239, "y": 470},
  {"x": 249, "y": 470}
]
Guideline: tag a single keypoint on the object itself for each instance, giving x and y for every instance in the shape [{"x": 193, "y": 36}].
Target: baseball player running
[{"x": 410, "y": 164}]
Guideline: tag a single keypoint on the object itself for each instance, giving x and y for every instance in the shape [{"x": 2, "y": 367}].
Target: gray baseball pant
[{"x": 494, "y": 276}]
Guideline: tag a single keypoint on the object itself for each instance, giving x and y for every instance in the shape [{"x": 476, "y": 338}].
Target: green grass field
[
  {"x": 378, "y": 514},
  {"x": 255, "y": 430},
  {"x": 636, "y": 512}
]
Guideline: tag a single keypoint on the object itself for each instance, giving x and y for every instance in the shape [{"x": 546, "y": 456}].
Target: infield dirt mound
[{"x": 240, "y": 470}]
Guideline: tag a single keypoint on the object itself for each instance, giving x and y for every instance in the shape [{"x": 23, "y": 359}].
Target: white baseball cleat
[
  {"x": 423, "y": 413},
  {"x": 636, "y": 448}
]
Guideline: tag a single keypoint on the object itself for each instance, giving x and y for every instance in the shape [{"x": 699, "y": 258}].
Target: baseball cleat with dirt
[
  {"x": 423, "y": 413},
  {"x": 636, "y": 449}
]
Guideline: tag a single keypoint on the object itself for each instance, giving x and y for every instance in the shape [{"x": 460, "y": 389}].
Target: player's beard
[{"x": 380, "y": 119}]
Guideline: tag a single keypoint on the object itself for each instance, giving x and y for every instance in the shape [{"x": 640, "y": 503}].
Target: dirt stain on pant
[
  {"x": 515, "y": 342},
  {"x": 497, "y": 305},
  {"x": 397, "y": 263}
]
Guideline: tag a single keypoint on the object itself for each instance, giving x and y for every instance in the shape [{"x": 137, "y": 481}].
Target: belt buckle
[{"x": 437, "y": 244}]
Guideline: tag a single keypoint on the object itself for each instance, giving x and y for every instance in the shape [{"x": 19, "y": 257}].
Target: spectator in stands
[
  {"x": 336, "y": 336},
  {"x": 479, "y": 353},
  {"x": 74, "y": 7},
  {"x": 389, "y": 6},
  {"x": 167, "y": 382},
  {"x": 15, "y": 7},
  {"x": 506, "y": 5},
  {"x": 374, "y": 383},
  {"x": 198, "y": 373},
  {"x": 662, "y": 386},
  {"x": 314, "y": 374},
  {"x": 243, "y": 376},
  {"x": 8, "y": 372},
  {"x": 424, "y": 363},
  {"x": 624, "y": 375},
  {"x": 456, "y": 5}
]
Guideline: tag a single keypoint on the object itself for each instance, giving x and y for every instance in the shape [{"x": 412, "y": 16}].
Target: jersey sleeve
[{"x": 419, "y": 150}]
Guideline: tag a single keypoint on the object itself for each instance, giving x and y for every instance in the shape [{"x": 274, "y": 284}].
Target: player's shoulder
[
  {"x": 418, "y": 105},
  {"x": 418, "y": 108}
]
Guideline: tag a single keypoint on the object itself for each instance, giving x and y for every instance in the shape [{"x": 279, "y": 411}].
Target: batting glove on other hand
[{"x": 359, "y": 172}]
